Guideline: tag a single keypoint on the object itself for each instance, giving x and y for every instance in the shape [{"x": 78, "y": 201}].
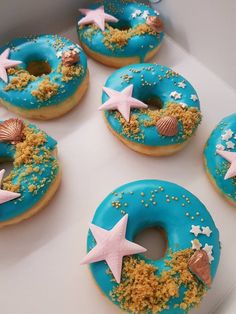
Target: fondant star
[
  {"x": 231, "y": 158},
  {"x": 196, "y": 230},
  {"x": 230, "y": 145},
  {"x": 206, "y": 231},
  {"x": 194, "y": 97},
  {"x": 97, "y": 16},
  {"x": 208, "y": 249},
  {"x": 220, "y": 147},
  {"x": 6, "y": 196},
  {"x": 175, "y": 95},
  {"x": 5, "y": 64},
  {"x": 227, "y": 135},
  {"x": 122, "y": 101},
  {"x": 112, "y": 246},
  {"x": 145, "y": 14},
  {"x": 181, "y": 84},
  {"x": 196, "y": 245}
]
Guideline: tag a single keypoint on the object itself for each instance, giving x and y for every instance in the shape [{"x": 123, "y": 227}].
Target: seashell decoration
[
  {"x": 11, "y": 130},
  {"x": 167, "y": 126},
  {"x": 70, "y": 58},
  {"x": 199, "y": 266},
  {"x": 155, "y": 23}
]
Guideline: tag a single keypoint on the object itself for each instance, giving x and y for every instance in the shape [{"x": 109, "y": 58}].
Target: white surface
[
  {"x": 39, "y": 259},
  {"x": 206, "y": 29}
]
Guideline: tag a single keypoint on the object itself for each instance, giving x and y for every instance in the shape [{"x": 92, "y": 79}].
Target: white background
[{"x": 39, "y": 258}]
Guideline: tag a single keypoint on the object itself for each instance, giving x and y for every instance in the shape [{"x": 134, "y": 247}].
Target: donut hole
[
  {"x": 8, "y": 166},
  {"x": 154, "y": 240},
  {"x": 122, "y": 25},
  {"x": 39, "y": 68},
  {"x": 154, "y": 103}
]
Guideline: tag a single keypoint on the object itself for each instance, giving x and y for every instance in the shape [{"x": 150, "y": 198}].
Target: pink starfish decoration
[
  {"x": 112, "y": 246},
  {"x": 230, "y": 157},
  {"x": 97, "y": 16},
  {"x": 122, "y": 101},
  {"x": 5, "y": 64},
  {"x": 6, "y": 196}
]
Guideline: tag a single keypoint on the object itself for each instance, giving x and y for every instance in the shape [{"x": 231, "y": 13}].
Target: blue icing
[
  {"x": 42, "y": 178},
  {"x": 146, "y": 204},
  {"x": 41, "y": 48},
  {"x": 150, "y": 80},
  {"x": 139, "y": 45},
  {"x": 216, "y": 165}
]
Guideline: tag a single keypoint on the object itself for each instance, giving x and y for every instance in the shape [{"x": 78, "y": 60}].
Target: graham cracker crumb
[
  {"x": 70, "y": 72},
  {"x": 20, "y": 80},
  {"x": 142, "y": 290},
  {"x": 46, "y": 90}
]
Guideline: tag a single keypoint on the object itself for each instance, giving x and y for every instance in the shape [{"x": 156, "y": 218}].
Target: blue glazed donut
[
  {"x": 49, "y": 81},
  {"x": 189, "y": 229},
  {"x": 36, "y": 173},
  {"x": 220, "y": 158},
  {"x": 171, "y": 118},
  {"x": 135, "y": 37}
]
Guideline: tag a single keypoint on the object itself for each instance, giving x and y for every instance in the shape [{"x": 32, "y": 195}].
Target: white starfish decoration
[
  {"x": 230, "y": 145},
  {"x": 175, "y": 95},
  {"x": 181, "y": 84},
  {"x": 6, "y": 63},
  {"x": 145, "y": 14},
  {"x": 196, "y": 245},
  {"x": 206, "y": 231},
  {"x": 5, "y": 195},
  {"x": 227, "y": 135},
  {"x": 196, "y": 230},
  {"x": 122, "y": 101},
  {"x": 194, "y": 97},
  {"x": 208, "y": 249}
]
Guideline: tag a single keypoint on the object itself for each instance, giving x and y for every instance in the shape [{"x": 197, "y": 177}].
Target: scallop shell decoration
[
  {"x": 11, "y": 131},
  {"x": 167, "y": 126}
]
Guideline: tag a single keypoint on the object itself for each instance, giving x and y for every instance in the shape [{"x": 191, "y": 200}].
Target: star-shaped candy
[
  {"x": 206, "y": 231},
  {"x": 175, "y": 95},
  {"x": 97, "y": 16},
  {"x": 5, "y": 64},
  {"x": 194, "y": 97},
  {"x": 227, "y": 135},
  {"x": 196, "y": 245},
  {"x": 220, "y": 147},
  {"x": 230, "y": 145},
  {"x": 6, "y": 196},
  {"x": 231, "y": 158},
  {"x": 196, "y": 230},
  {"x": 112, "y": 246},
  {"x": 122, "y": 101},
  {"x": 208, "y": 249},
  {"x": 145, "y": 14},
  {"x": 181, "y": 84}
]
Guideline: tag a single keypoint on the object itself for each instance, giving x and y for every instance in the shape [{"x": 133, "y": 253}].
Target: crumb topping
[
  {"x": 20, "y": 80},
  {"x": 143, "y": 290},
  {"x": 46, "y": 90},
  {"x": 70, "y": 72}
]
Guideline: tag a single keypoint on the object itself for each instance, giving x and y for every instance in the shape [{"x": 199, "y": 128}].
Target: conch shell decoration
[
  {"x": 70, "y": 58},
  {"x": 199, "y": 265},
  {"x": 167, "y": 126},
  {"x": 155, "y": 23},
  {"x": 11, "y": 130}
]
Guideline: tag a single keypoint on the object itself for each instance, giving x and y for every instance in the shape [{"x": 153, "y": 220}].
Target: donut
[
  {"x": 173, "y": 284},
  {"x": 35, "y": 175},
  {"x": 220, "y": 158},
  {"x": 118, "y": 33},
  {"x": 42, "y": 77},
  {"x": 165, "y": 108}
]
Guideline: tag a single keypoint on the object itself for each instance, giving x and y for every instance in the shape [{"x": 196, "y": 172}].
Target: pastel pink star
[
  {"x": 5, "y": 64},
  {"x": 122, "y": 101},
  {"x": 112, "y": 246},
  {"x": 6, "y": 196},
  {"x": 231, "y": 158},
  {"x": 97, "y": 16}
]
